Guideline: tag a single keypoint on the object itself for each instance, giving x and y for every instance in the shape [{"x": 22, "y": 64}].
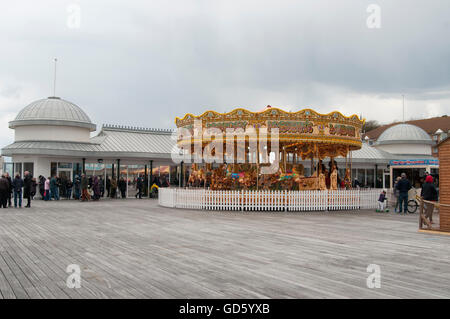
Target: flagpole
[{"x": 54, "y": 78}]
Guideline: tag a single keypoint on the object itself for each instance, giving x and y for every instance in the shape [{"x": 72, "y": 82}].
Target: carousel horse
[
  {"x": 322, "y": 182},
  {"x": 193, "y": 176},
  {"x": 333, "y": 178},
  {"x": 347, "y": 180}
]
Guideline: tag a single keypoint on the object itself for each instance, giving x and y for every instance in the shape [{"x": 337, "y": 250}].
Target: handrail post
[{"x": 421, "y": 214}]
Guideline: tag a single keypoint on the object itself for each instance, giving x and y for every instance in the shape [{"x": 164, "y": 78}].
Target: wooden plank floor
[{"x": 136, "y": 249}]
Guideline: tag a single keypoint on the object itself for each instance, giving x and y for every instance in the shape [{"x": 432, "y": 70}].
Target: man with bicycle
[{"x": 403, "y": 187}]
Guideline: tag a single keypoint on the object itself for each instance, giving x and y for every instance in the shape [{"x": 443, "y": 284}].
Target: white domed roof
[
  {"x": 52, "y": 111},
  {"x": 404, "y": 134}
]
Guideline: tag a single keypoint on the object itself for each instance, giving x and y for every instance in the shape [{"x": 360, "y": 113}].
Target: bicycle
[{"x": 413, "y": 204}]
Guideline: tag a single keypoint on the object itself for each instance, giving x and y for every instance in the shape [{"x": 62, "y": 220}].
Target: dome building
[
  {"x": 52, "y": 119},
  {"x": 52, "y": 137},
  {"x": 410, "y": 148},
  {"x": 405, "y": 139}
]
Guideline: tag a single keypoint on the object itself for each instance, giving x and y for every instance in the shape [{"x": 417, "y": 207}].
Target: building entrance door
[
  {"x": 65, "y": 173},
  {"x": 386, "y": 180}
]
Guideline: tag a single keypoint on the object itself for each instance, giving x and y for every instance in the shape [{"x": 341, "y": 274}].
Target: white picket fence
[{"x": 269, "y": 200}]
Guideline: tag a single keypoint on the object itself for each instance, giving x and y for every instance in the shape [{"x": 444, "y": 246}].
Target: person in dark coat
[
  {"x": 139, "y": 186},
  {"x": 27, "y": 184},
  {"x": 108, "y": 186},
  {"x": 429, "y": 193},
  {"x": 84, "y": 188},
  {"x": 403, "y": 187},
  {"x": 63, "y": 187},
  {"x": 54, "y": 190},
  {"x": 10, "y": 188},
  {"x": 122, "y": 185},
  {"x": 96, "y": 188},
  {"x": 42, "y": 186},
  {"x": 69, "y": 186},
  {"x": 4, "y": 191},
  {"x": 33, "y": 188},
  {"x": 77, "y": 187},
  {"x": 17, "y": 185},
  {"x": 101, "y": 184},
  {"x": 113, "y": 188}
]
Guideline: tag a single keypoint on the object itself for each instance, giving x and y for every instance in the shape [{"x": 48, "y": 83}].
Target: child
[{"x": 382, "y": 202}]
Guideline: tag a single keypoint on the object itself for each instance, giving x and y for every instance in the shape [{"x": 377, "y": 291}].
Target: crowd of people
[
  {"x": 17, "y": 188},
  {"x": 402, "y": 187},
  {"x": 83, "y": 188}
]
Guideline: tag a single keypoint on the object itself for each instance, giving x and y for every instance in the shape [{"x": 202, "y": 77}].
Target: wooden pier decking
[{"x": 136, "y": 249}]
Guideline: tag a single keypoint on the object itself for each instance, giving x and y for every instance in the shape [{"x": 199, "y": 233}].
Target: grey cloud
[{"x": 143, "y": 63}]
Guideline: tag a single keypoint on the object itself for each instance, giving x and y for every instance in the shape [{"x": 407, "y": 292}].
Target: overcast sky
[{"x": 141, "y": 63}]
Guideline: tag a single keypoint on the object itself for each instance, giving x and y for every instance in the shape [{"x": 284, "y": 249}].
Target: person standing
[
  {"x": 96, "y": 188},
  {"x": 429, "y": 193},
  {"x": 403, "y": 186},
  {"x": 54, "y": 191},
  {"x": 27, "y": 184},
  {"x": 33, "y": 187},
  {"x": 4, "y": 191},
  {"x": 108, "y": 186},
  {"x": 382, "y": 202},
  {"x": 396, "y": 195},
  {"x": 101, "y": 184},
  {"x": 122, "y": 187},
  {"x": 47, "y": 189},
  {"x": 84, "y": 188},
  {"x": 139, "y": 185},
  {"x": 113, "y": 188},
  {"x": 17, "y": 188},
  {"x": 63, "y": 186},
  {"x": 69, "y": 186},
  {"x": 42, "y": 186},
  {"x": 10, "y": 189},
  {"x": 77, "y": 187}
]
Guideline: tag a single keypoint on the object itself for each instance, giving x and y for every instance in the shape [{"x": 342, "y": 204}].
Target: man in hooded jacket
[{"x": 429, "y": 193}]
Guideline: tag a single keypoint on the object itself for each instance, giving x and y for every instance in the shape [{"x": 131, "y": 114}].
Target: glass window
[
  {"x": 174, "y": 175},
  {"x": 53, "y": 169},
  {"x": 28, "y": 167},
  {"x": 164, "y": 176},
  {"x": 362, "y": 176},
  {"x": 354, "y": 174},
  {"x": 8, "y": 168},
  {"x": 64, "y": 165},
  {"x": 109, "y": 170},
  {"x": 123, "y": 174},
  {"x": 370, "y": 177},
  {"x": 387, "y": 180},
  {"x": 134, "y": 171},
  {"x": 379, "y": 181},
  {"x": 77, "y": 169},
  {"x": 156, "y": 170},
  {"x": 18, "y": 169}
]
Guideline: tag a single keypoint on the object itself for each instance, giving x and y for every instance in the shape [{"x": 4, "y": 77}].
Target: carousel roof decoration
[{"x": 305, "y": 132}]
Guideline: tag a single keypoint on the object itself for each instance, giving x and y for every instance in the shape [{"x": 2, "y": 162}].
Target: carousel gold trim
[{"x": 302, "y": 135}]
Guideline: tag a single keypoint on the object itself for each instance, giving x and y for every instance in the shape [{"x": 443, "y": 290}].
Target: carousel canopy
[{"x": 306, "y": 132}]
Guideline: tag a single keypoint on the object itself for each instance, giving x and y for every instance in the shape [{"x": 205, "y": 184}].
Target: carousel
[
  {"x": 267, "y": 160},
  {"x": 303, "y": 136}
]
